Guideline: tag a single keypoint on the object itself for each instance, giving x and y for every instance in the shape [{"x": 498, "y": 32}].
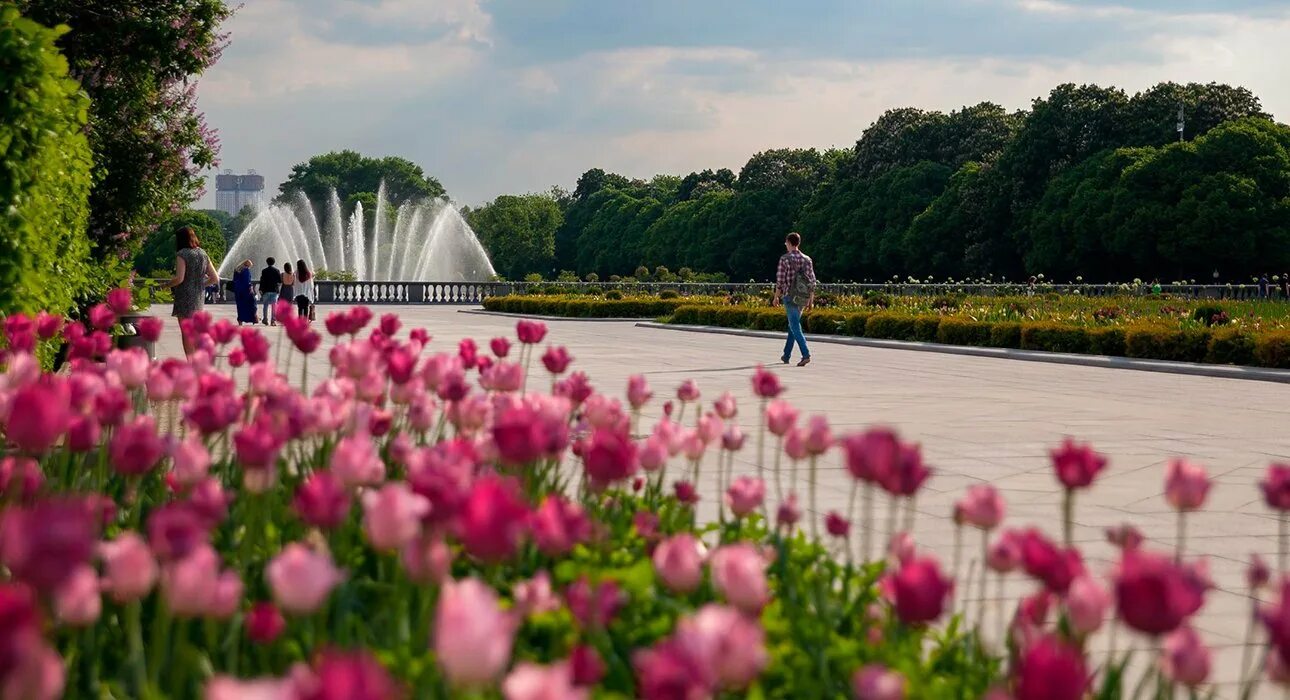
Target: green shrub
[
  {"x": 948, "y": 301},
  {"x": 955, "y": 331},
  {"x": 686, "y": 315},
  {"x": 1209, "y": 314},
  {"x": 1230, "y": 347},
  {"x": 925, "y": 328},
  {"x": 613, "y": 294},
  {"x": 890, "y": 327},
  {"x": 533, "y": 277},
  {"x": 1054, "y": 337},
  {"x": 1005, "y": 335},
  {"x": 668, "y": 294},
  {"x": 768, "y": 320},
  {"x": 1272, "y": 349},
  {"x": 856, "y": 323},
  {"x": 45, "y": 167},
  {"x": 877, "y": 299},
  {"x": 158, "y": 251},
  {"x": 825, "y": 322},
  {"x": 730, "y": 316},
  {"x": 1106, "y": 341},
  {"x": 1166, "y": 344}
]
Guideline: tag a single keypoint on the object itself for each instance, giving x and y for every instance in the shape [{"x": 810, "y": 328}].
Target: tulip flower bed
[{"x": 428, "y": 524}]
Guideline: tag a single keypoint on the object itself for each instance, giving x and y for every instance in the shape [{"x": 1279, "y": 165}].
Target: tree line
[{"x": 1088, "y": 182}]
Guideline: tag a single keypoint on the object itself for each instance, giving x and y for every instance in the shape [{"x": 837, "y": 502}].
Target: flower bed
[
  {"x": 585, "y": 306},
  {"x": 421, "y": 525}
]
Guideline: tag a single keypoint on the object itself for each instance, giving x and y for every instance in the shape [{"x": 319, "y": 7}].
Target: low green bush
[
  {"x": 583, "y": 307},
  {"x": 953, "y": 331},
  {"x": 1054, "y": 337},
  {"x": 1166, "y": 344},
  {"x": 668, "y": 294},
  {"x": 1106, "y": 341},
  {"x": 890, "y": 327},
  {"x": 614, "y": 295},
  {"x": 825, "y": 322},
  {"x": 768, "y": 320},
  {"x": 1273, "y": 349},
  {"x": 1005, "y": 335},
  {"x": 1230, "y": 347},
  {"x": 730, "y": 316},
  {"x": 1209, "y": 315},
  {"x": 925, "y": 328},
  {"x": 856, "y": 324}
]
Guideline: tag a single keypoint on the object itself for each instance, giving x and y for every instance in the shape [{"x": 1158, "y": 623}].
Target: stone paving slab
[{"x": 979, "y": 419}]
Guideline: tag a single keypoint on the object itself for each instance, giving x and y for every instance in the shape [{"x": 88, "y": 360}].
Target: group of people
[
  {"x": 292, "y": 285},
  {"x": 195, "y": 274}
]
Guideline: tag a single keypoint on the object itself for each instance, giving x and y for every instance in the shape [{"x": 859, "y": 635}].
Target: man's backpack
[{"x": 799, "y": 292}]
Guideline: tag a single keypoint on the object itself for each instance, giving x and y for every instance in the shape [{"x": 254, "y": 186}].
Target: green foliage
[
  {"x": 518, "y": 233},
  {"x": 615, "y": 295},
  {"x": 158, "y": 252},
  {"x": 357, "y": 178},
  {"x": 138, "y": 62},
  {"x": 45, "y": 167},
  {"x": 584, "y": 307},
  {"x": 1231, "y": 347}
]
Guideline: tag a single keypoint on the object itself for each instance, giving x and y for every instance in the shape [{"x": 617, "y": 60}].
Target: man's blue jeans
[
  {"x": 267, "y": 300},
  {"x": 794, "y": 331}
]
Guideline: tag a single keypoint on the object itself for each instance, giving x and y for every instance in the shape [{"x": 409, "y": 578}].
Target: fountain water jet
[{"x": 428, "y": 241}]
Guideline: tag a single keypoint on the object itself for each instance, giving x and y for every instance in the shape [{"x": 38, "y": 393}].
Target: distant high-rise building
[{"x": 233, "y": 192}]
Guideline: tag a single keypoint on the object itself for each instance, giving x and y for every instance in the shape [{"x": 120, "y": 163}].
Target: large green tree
[
  {"x": 158, "y": 251},
  {"x": 137, "y": 60},
  {"x": 351, "y": 174},
  {"x": 518, "y": 232}
]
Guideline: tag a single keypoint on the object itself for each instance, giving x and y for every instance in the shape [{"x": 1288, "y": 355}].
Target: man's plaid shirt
[{"x": 789, "y": 265}]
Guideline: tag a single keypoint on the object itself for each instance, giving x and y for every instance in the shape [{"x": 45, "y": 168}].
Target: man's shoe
[
  {"x": 783, "y": 360},
  {"x": 804, "y": 362}
]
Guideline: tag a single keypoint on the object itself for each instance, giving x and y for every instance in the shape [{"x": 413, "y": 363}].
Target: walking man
[
  {"x": 795, "y": 284},
  {"x": 270, "y": 282}
]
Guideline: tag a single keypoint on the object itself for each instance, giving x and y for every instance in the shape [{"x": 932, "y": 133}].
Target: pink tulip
[
  {"x": 356, "y": 462},
  {"x": 836, "y": 525},
  {"x": 38, "y": 415},
  {"x": 130, "y": 366},
  {"x": 594, "y": 606},
  {"x": 503, "y": 376},
  {"x": 1124, "y": 536},
  {"x": 780, "y": 417},
  {"x": 493, "y": 519},
  {"x": 227, "y": 598},
  {"x": 500, "y": 346},
  {"x": 739, "y": 573},
  {"x": 264, "y": 623},
  {"x": 48, "y": 325},
  {"x": 472, "y": 634},
  {"x": 724, "y": 640},
  {"x": 1005, "y": 552},
  {"x": 1186, "y": 485},
  {"x": 876, "y": 682},
  {"x": 535, "y": 596},
  {"x": 150, "y": 328},
  {"x": 556, "y": 360},
  {"x": 77, "y": 602},
  {"x": 901, "y": 547},
  {"x": 321, "y": 500},
  {"x": 530, "y": 681},
  {"x": 1257, "y": 573},
  {"x": 426, "y": 560},
  {"x": 653, "y": 454},
  {"x": 1153, "y": 594},
  {"x": 725, "y": 406},
  {"x": 392, "y": 516},
  {"x": 44, "y": 543},
  {"x": 688, "y": 391},
  {"x": 558, "y": 525},
  {"x": 1077, "y": 465},
  {"x": 20, "y": 477},
  {"x": 37, "y": 675},
  {"x": 190, "y": 584},
  {"x": 120, "y": 301},
  {"x": 745, "y": 495},
  {"x": 1051, "y": 670},
  {"x": 1087, "y": 603},
  {"x": 710, "y": 427},
  {"x": 918, "y": 590},
  {"x": 191, "y": 460},
  {"x": 787, "y": 514},
  {"x": 638, "y": 392},
  {"x": 678, "y": 561},
  {"x": 818, "y": 437},
  {"x": 101, "y": 317},
  {"x": 765, "y": 384},
  {"x": 301, "y": 579},
  {"x": 981, "y": 507},
  {"x": 609, "y": 456},
  {"x": 1185, "y": 659},
  {"x": 530, "y": 332},
  {"x": 795, "y": 444},
  {"x": 1276, "y": 486},
  {"x": 129, "y": 569},
  {"x": 732, "y": 440},
  {"x": 176, "y": 529}
]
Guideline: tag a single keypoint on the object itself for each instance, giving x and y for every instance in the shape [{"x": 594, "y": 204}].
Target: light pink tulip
[
  {"x": 818, "y": 437},
  {"x": 727, "y": 641},
  {"x": 725, "y": 406},
  {"x": 227, "y": 597},
  {"x": 229, "y": 688},
  {"x": 130, "y": 571},
  {"x": 39, "y": 675},
  {"x": 392, "y": 516},
  {"x": 1186, "y": 485},
  {"x": 780, "y": 417},
  {"x": 795, "y": 444},
  {"x": 191, "y": 460},
  {"x": 739, "y": 573},
  {"x": 653, "y": 453},
  {"x": 356, "y": 461},
  {"x": 901, "y": 547},
  {"x": 301, "y": 579},
  {"x": 130, "y": 366},
  {"x": 745, "y": 495},
  {"x": 638, "y": 392},
  {"x": 981, "y": 507},
  {"x": 77, "y": 601},
  {"x": 426, "y": 560},
  {"x": 472, "y": 634},
  {"x": 876, "y": 682},
  {"x": 1087, "y": 603},
  {"x": 678, "y": 561},
  {"x": 190, "y": 584},
  {"x": 535, "y": 596},
  {"x": 529, "y": 681},
  {"x": 1185, "y": 658}
]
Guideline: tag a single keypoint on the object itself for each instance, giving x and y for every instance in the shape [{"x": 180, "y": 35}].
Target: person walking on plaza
[
  {"x": 304, "y": 291},
  {"x": 242, "y": 293},
  {"x": 193, "y": 271},
  {"x": 287, "y": 292},
  {"x": 795, "y": 285},
  {"x": 270, "y": 282}
]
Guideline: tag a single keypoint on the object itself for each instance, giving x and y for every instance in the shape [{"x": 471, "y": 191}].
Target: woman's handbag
[{"x": 311, "y": 313}]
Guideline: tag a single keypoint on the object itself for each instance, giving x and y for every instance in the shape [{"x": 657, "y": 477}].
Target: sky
[{"x": 511, "y": 96}]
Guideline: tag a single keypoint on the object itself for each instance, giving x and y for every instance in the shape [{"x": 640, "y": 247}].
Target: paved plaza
[{"x": 979, "y": 420}]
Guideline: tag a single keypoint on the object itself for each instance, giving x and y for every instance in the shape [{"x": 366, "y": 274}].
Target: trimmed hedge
[
  {"x": 582, "y": 307},
  {"x": 45, "y": 166}
]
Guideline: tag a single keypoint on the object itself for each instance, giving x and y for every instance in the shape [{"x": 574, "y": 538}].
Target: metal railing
[{"x": 471, "y": 293}]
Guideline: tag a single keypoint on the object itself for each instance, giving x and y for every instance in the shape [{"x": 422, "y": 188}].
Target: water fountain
[{"x": 427, "y": 241}]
